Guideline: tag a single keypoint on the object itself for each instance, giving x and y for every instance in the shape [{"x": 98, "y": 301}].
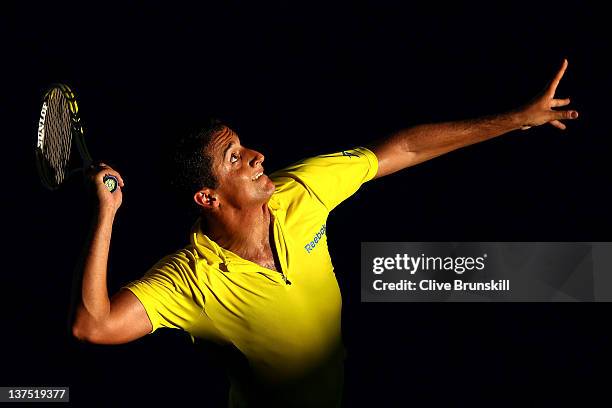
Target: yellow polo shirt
[{"x": 284, "y": 326}]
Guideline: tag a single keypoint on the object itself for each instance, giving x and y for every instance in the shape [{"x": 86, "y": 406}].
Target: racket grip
[{"x": 110, "y": 182}]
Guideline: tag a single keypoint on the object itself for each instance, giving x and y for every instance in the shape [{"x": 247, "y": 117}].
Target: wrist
[
  {"x": 106, "y": 213},
  {"x": 518, "y": 119}
]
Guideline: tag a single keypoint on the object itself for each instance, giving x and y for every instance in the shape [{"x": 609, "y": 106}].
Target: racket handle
[{"x": 110, "y": 182}]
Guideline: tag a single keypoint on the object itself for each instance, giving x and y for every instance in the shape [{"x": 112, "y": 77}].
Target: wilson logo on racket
[{"x": 41, "y": 126}]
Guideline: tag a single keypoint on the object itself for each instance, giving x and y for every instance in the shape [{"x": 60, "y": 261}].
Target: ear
[{"x": 206, "y": 198}]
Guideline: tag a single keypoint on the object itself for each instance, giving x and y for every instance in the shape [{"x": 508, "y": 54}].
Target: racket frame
[{"x": 77, "y": 134}]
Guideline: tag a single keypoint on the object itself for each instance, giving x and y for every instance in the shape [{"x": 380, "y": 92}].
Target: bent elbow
[
  {"x": 83, "y": 335},
  {"x": 78, "y": 333},
  {"x": 87, "y": 335}
]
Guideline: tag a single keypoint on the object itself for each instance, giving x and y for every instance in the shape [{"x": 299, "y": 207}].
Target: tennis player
[{"x": 256, "y": 279}]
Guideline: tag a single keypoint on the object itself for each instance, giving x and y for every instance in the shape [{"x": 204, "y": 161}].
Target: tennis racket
[{"x": 59, "y": 130}]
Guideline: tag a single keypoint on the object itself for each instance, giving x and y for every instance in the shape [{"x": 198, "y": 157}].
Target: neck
[{"x": 245, "y": 231}]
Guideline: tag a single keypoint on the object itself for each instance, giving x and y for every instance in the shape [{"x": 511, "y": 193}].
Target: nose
[{"x": 257, "y": 159}]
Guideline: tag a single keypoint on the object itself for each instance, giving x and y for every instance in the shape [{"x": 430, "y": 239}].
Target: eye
[{"x": 234, "y": 158}]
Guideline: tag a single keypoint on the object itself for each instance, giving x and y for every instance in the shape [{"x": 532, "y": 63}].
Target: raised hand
[
  {"x": 540, "y": 109},
  {"x": 106, "y": 200}
]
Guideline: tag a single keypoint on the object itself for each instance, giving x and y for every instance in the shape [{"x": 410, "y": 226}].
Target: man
[{"x": 257, "y": 279}]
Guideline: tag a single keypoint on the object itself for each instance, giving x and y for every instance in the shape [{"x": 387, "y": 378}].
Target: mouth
[{"x": 257, "y": 176}]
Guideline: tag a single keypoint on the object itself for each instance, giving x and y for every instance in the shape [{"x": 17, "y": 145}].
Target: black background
[{"x": 296, "y": 80}]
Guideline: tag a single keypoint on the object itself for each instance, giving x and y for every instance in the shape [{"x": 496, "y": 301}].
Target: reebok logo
[{"x": 315, "y": 240}]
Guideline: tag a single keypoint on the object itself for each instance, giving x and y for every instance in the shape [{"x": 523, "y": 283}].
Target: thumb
[{"x": 568, "y": 114}]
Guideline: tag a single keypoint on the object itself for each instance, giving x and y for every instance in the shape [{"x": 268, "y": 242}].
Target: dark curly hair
[{"x": 193, "y": 163}]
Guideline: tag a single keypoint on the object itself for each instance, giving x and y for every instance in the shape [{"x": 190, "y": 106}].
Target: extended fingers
[
  {"x": 555, "y": 82},
  {"x": 557, "y": 116},
  {"x": 555, "y": 103},
  {"x": 557, "y": 124},
  {"x": 566, "y": 114}
]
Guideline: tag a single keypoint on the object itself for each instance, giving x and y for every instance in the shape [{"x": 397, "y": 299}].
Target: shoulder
[
  {"x": 180, "y": 265},
  {"x": 328, "y": 178},
  {"x": 324, "y": 165}
]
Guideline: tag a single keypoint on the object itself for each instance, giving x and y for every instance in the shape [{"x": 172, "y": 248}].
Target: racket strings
[{"x": 58, "y": 136}]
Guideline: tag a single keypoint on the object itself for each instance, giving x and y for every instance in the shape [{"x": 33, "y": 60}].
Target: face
[{"x": 239, "y": 171}]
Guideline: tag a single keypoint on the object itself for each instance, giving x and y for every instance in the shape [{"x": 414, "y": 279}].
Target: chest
[
  {"x": 275, "y": 324},
  {"x": 267, "y": 258},
  {"x": 263, "y": 315}
]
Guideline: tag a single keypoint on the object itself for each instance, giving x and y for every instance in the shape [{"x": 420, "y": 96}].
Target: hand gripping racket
[{"x": 59, "y": 129}]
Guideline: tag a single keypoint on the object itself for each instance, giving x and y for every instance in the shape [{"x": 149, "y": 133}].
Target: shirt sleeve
[
  {"x": 168, "y": 292},
  {"x": 333, "y": 178}
]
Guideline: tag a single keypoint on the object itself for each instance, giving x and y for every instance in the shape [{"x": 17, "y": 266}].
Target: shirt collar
[{"x": 219, "y": 258}]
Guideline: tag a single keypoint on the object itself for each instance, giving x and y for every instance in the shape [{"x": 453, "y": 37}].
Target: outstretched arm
[{"x": 423, "y": 142}]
